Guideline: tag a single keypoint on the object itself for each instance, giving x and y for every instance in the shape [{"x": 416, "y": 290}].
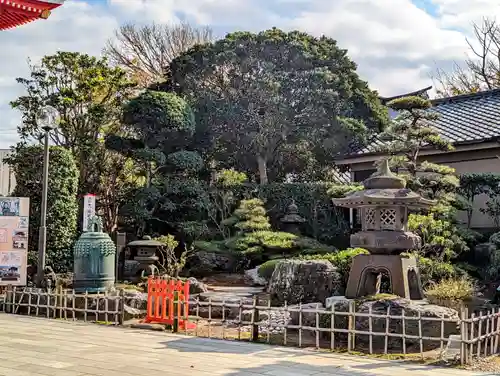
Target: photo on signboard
[
  {"x": 3, "y": 235},
  {"x": 20, "y": 239},
  {"x": 10, "y": 266},
  {"x": 23, "y": 222},
  {"x": 9, "y": 206}
]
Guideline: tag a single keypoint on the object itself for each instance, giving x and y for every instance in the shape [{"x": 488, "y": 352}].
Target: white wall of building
[{"x": 7, "y": 179}]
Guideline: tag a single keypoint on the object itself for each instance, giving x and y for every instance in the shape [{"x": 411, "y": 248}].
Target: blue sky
[{"x": 397, "y": 44}]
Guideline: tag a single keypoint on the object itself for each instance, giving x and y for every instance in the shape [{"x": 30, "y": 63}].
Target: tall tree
[
  {"x": 88, "y": 95},
  {"x": 163, "y": 125},
  {"x": 261, "y": 97},
  {"x": 146, "y": 51},
  {"x": 480, "y": 71}
]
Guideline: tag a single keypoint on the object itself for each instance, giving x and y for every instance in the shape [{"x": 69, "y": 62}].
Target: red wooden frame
[{"x": 168, "y": 300}]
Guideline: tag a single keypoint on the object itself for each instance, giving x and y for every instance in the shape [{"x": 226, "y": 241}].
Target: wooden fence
[
  {"x": 59, "y": 303},
  {"x": 465, "y": 337}
]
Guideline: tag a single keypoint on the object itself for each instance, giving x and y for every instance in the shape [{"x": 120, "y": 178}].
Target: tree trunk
[{"x": 262, "y": 162}]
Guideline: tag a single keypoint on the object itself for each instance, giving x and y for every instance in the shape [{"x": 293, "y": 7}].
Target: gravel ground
[
  {"x": 275, "y": 324},
  {"x": 491, "y": 364}
]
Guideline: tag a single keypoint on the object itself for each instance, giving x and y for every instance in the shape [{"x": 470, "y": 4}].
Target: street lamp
[{"x": 46, "y": 120}]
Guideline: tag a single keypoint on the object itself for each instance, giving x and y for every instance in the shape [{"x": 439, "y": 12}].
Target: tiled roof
[{"x": 463, "y": 119}]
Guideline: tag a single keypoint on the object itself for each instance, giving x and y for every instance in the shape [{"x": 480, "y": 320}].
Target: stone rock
[
  {"x": 412, "y": 308},
  {"x": 296, "y": 281},
  {"x": 205, "y": 263},
  {"x": 131, "y": 313},
  {"x": 136, "y": 299},
  {"x": 214, "y": 305},
  {"x": 253, "y": 278},
  {"x": 337, "y": 304},
  {"x": 196, "y": 287},
  {"x": 247, "y": 316},
  {"x": 308, "y": 318}
]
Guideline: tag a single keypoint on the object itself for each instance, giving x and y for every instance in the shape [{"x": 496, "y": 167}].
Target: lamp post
[{"x": 46, "y": 120}]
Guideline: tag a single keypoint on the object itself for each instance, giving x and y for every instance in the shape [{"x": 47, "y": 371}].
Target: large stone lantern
[
  {"x": 146, "y": 252},
  {"x": 384, "y": 206},
  {"x": 292, "y": 220}
]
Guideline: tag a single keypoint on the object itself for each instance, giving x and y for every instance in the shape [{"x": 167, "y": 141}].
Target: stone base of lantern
[{"x": 401, "y": 270}]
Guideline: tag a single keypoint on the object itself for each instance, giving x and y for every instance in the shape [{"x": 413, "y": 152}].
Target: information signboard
[{"x": 14, "y": 226}]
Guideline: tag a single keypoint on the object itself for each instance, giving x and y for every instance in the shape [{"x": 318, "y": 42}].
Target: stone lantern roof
[
  {"x": 145, "y": 242},
  {"x": 383, "y": 188},
  {"x": 292, "y": 215}
]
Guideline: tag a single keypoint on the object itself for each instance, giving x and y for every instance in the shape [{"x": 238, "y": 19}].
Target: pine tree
[
  {"x": 249, "y": 217},
  {"x": 406, "y": 137}
]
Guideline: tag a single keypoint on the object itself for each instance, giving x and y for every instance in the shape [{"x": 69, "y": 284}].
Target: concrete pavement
[{"x": 35, "y": 347}]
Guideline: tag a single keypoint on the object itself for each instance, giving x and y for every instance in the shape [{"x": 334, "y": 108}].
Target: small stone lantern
[
  {"x": 292, "y": 219},
  {"x": 384, "y": 205},
  {"x": 146, "y": 252},
  {"x": 94, "y": 257}
]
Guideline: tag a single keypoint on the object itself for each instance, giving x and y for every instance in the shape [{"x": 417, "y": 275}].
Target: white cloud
[{"x": 395, "y": 43}]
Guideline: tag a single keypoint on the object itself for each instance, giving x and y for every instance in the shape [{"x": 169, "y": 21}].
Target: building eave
[{"x": 465, "y": 146}]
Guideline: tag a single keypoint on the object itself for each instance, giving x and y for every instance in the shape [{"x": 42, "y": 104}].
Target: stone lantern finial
[{"x": 384, "y": 178}]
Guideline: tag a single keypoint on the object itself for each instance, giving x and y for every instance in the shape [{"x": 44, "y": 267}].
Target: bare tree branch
[
  {"x": 146, "y": 51},
  {"x": 481, "y": 71}
]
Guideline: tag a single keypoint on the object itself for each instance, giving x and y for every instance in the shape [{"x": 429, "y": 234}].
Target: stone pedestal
[{"x": 402, "y": 271}]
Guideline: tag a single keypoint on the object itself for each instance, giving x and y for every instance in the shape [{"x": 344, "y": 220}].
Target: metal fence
[{"x": 394, "y": 331}]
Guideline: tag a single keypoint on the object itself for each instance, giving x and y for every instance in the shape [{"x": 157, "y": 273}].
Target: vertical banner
[
  {"x": 88, "y": 209},
  {"x": 14, "y": 227}
]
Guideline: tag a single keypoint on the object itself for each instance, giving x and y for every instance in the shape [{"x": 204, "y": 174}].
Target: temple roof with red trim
[{"x": 19, "y": 12}]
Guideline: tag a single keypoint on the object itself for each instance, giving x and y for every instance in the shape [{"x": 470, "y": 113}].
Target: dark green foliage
[
  {"x": 255, "y": 240},
  {"x": 158, "y": 116},
  {"x": 324, "y": 221},
  {"x": 62, "y": 206},
  {"x": 173, "y": 197},
  {"x": 187, "y": 161},
  {"x": 342, "y": 260},
  {"x": 274, "y": 103}
]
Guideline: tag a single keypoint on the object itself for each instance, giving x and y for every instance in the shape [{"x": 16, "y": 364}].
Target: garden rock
[
  {"x": 132, "y": 313},
  {"x": 205, "y": 263},
  {"x": 411, "y": 308},
  {"x": 296, "y": 281},
  {"x": 214, "y": 305},
  {"x": 196, "y": 287},
  {"x": 253, "y": 278},
  {"x": 308, "y": 315}
]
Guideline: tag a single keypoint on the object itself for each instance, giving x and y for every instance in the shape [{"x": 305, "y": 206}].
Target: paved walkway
[{"x": 35, "y": 347}]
